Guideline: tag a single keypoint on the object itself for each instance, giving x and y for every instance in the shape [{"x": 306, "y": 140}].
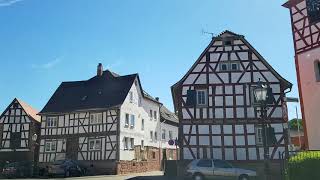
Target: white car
[{"x": 217, "y": 169}]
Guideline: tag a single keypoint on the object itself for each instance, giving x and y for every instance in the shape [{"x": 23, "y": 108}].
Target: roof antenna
[{"x": 206, "y": 32}]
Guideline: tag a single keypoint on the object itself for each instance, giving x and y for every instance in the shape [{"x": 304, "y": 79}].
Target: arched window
[{"x": 317, "y": 69}]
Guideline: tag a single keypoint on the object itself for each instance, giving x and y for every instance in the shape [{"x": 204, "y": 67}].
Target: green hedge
[{"x": 304, "y": 166}]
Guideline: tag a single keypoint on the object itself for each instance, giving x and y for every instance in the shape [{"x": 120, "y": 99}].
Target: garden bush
[{"x": 304, "y": 166}]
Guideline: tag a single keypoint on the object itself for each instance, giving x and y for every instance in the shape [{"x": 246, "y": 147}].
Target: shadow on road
[{"x": 156, "y": 178}]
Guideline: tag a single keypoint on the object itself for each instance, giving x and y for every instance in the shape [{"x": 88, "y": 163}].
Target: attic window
[
  {"x": 227, "y": 42},
  {"x": 84, "y": 98},
  {"x": 15, "y": 105}
]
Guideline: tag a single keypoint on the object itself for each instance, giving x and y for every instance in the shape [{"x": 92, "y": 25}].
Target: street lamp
[
  {"x": 34, "y": 139},
  {"x": 262, "y": 99}
]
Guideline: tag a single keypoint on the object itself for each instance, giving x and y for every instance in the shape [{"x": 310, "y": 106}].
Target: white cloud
[
  {"x": 8, "y": 2},
  {"x": 47, "y": 65}
]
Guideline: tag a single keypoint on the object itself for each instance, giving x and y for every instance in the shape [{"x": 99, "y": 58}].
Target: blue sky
[{"x": 45, "y": 42}]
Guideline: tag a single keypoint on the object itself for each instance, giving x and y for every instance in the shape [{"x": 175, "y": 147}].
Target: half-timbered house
[
  {"x": 18, "y": 123},
  {"x": 106, "y": 121},
  {"x": 305, "y": 21},
  {"x": 214, "y": 103}
]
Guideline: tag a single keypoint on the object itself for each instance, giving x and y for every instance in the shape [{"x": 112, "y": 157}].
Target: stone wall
[{"x": 127, "y": 167}]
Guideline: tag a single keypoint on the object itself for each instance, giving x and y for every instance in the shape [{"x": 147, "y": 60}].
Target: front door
[{"x": 72, "y": 148}]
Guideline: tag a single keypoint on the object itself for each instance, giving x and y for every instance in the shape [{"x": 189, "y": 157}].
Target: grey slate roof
[
  {"x": 99, "y": 92},
  {"x": 167, "y": 115}
]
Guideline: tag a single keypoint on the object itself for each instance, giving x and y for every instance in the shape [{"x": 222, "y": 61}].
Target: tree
[{"x": 293, "y": 124}]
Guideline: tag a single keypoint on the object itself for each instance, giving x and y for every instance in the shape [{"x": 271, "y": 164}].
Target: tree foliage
[{"x": 293, "y": 124}]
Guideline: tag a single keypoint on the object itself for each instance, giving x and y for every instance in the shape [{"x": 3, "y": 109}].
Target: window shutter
[
  {"x": 191, "y": 98},
  {"x": 270, "y": 98},
  {"x": 271, "y": 137}
]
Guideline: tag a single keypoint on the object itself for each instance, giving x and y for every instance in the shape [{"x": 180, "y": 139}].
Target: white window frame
[
  {"x": 126, "y": 143},
  {"x": 236, "y": 63},
  {"x": 150, "y": 114},
  {"x": 155, "y": 115},
  {"x": 224, "y": 63},
  {"x": 204, "y": 91},
  {"x": 259, "y": 135},
  {"x": 52, "y": 146},
  {"x": 132, "y": 121},
  {"x": 127, "y": 120},
  {"x": 96, "y": 118},
  {"x": 96, "y": 144},
  {"x": 155, "y": 136},
  {"x": 151, "y": 136},
  {"x": 163, "y": 134},
  {"x": 52, "y": 121},
  {"x": 131, "y": 143}
]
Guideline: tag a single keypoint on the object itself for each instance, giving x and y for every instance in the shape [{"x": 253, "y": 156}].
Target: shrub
[{"x": 304, "y": 165}]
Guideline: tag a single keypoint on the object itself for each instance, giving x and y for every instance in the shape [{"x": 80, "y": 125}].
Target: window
[
  {"x": 170, "y": 135},
  {"x": 317, "y": 69},
  {"x": 132, "y": 121},
  {"x": 151, "y": 135},
  {"x": 126, "y": 123},
  {"x": 15, "y": 140},
  {"x": 131, "y": 143},
  {"x": 142, "y": 144},
  {"x": 150, "y": 114},
  {"x": 227, "y": 42},
  {"x": 94, "y": 144},
  {"x": 153, "y": 155},
  {"x": 142, "y": 125},
  {"x": 224, "y": 67},
  {"x": 140, "y": 102},
  {"x": 204, "y": 163},
  {"x": 131, "y": 96},
  {"x": 259, "y": 135},
  {"x": 201, "y": 97},
  {"x": 126, "y": 143},
  {"x": 96, "y": 118},
  {"x": 52, "y": 121},
  {"x": 235, "y": 66},
  {"x": 155, "y": 115},
  {"x": 155, "y": 136},
  {"x": 221, "y": 164},
  {"x": 163, "y": 135},
  {"x": 50, "y": 146}
]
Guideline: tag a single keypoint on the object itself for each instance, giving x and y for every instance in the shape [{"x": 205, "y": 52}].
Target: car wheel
[
  {"x": 244, "y": 177},
  {"x": 198, "y": 176},
  {"x": 67, "y": 174}
]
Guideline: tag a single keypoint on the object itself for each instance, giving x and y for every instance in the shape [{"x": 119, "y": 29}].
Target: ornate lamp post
[{"x": 261, "y": 100}]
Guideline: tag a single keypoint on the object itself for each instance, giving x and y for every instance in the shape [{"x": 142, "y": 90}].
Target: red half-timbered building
[
  {"x": 217, "y": 118},
  {"x": 305, "y": 21}
]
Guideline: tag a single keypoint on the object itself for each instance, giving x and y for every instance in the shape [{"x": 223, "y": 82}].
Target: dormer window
[{"x": 228, "y": 43}]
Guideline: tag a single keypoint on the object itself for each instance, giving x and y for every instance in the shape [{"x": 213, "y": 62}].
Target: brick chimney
[{"x": 99, "y": 70}]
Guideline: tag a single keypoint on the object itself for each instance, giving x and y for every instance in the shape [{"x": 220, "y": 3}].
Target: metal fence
[{"x": 293, "y": 159}]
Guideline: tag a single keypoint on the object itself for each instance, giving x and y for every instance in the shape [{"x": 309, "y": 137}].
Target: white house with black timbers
[
  {"x": 102, "y": 121},
  {"x": 18, "y": 123},
  {"x": 214, "y": 103}
]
